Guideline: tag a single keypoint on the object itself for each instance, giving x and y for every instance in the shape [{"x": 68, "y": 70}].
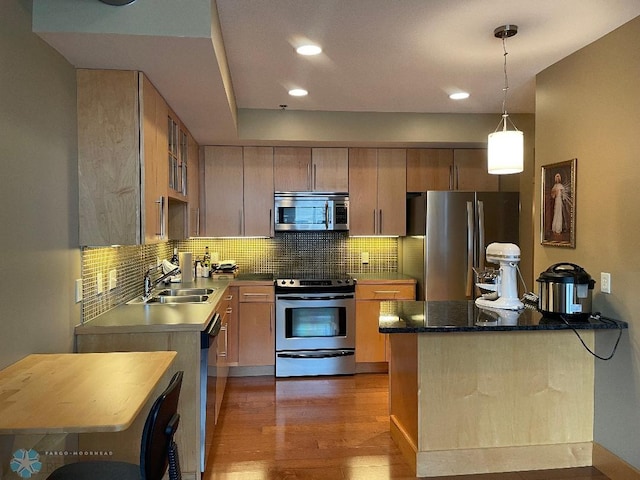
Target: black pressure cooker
[{"x": 564, "y": 289}]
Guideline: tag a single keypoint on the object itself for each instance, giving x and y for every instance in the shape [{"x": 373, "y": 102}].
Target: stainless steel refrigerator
[{"x": 447, "y": 234}]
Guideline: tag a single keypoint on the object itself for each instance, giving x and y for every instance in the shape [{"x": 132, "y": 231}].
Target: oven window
[
  {"x": 311, "y": 215},
  {"x": 304, "y": 322}
]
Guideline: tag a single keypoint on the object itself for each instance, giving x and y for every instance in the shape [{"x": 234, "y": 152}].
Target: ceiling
[{"x": 378, "y": 55}]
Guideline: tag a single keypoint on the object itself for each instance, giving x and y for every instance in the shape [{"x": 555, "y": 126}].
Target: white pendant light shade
[{"x": 505, "y": 152}]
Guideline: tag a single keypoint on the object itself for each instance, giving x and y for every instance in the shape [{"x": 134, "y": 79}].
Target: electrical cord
[{"x": 600, "y": 318}]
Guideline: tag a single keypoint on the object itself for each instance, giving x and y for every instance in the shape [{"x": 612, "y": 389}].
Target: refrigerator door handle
[
  {"x": 470, "y": 237},
  {"x": 481, "y": 245}
]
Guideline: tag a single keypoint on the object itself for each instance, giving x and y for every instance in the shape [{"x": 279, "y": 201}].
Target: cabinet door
[
  {"x": 429, "y": 169},
  {"x": 193, "y": 188},
  {"x": 258, "y": 191},
  {"x": 232, "y": 326},
  {"x": 471, "y": 171},
  {"x": 392, "y": 188},
  {"x": 154, "y": 167},
  {"x": 108, "y": 157},
  {"x": 363, "y": 196},
  {"x": 370, "y": 343},
  {"x": 256, "y": 336},
  {"x": 292, "y": 169},
  {"x": 224, "y": 186},
  {"x": 330, "y": 169}
]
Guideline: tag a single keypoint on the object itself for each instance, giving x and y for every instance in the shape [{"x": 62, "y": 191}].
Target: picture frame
[{"x": 558, "y": 204}]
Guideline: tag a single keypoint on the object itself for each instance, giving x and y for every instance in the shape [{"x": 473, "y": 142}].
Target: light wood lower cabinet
[
  {"x": 256, "y": 326},
  {"x": 126, "y": 444},
  {"x": 371, "y": 345}
]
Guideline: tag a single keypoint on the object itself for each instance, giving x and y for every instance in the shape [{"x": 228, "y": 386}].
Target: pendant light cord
[{"x": 506, "y": 79}]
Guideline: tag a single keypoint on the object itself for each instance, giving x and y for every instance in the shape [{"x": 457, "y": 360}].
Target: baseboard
[
  {"x": 407, "y": 447},
  {"x": 613, "y": 466},
  {"x": 268, "y": 370},
  {"x": 503, "y": 459},
  {"x": 372, "y": 367}
]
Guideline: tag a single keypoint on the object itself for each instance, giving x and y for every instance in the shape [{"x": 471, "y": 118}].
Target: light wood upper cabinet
[
  {"x": 193, "y": 188},
  {"x": 292, "y": 169},
  {"x": 429, "y": 169},
  {"x": 330, "y": 169},
  {"x": 231, "y": 209},
  {"x": 377, "y": 191},
  {"x": 471, "y": 170},
  {"x": 449, "y": 169},
  {"x": 224, "y": 191},
  {"x": 122, "y": 197},
  {"x": 258, "y": 191},
  {"x": 302, "y": 169}
]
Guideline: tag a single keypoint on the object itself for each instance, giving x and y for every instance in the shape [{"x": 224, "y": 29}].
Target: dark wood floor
[{"x": 320, "y": 428}]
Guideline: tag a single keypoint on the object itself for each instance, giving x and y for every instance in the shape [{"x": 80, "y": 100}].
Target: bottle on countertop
[
  {"x": 198, "y": 269},
  {"x": 174, "y": 259},
  {"x": 206, "y": 260}
]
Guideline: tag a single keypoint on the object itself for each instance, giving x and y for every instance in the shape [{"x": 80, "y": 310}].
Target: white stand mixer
[{"x": 504, "y": 292}]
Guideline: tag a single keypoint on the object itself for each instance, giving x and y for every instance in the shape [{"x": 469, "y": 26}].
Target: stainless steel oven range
[{"x": 315, "y": 327}]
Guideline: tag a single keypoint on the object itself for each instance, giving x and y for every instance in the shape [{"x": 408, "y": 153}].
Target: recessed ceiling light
[
  {"x": 309, "y": 50},
  {"x": 459, "y": 96},
  {"x": 298, "y": 92}
]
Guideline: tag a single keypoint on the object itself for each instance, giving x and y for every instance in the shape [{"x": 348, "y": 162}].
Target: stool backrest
[{"x": 159, "y": 428}]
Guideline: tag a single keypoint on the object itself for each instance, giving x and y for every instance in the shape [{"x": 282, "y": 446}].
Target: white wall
[
  {"x": 39, "y": 258},
  {"x": 588, "y": 107}
]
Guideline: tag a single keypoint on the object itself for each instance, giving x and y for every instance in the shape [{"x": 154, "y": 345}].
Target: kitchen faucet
[{"x": 149, "y": 284}]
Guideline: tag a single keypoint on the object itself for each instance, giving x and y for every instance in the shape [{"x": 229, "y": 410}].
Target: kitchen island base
[{"x": 488, "y": 402}]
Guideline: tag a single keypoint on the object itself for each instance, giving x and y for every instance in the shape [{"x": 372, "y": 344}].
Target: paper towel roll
[{"x": 186, "y": 266}]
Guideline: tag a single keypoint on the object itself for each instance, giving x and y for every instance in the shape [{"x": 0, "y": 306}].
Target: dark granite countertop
[{"x": 465, "y": 316}]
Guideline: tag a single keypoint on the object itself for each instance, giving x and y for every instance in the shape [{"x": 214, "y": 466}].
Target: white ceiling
[{"x": 379, "y": 55}]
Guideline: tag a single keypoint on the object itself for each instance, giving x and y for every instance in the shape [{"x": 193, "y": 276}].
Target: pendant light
[{"x": 505, "y": 149}]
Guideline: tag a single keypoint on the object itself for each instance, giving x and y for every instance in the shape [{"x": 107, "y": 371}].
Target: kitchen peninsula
[{"x": 476, "y": 391}]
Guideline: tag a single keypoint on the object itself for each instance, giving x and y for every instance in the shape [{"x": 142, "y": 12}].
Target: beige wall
[
  {"x": 39, "y": 214},
  {"x": 588, "y": 107}
]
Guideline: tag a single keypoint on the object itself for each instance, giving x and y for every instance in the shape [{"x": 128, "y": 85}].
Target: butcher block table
[{"x": 78, "y": 392}]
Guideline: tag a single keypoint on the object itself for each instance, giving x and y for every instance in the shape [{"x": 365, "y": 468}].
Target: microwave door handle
[{"x": 326, "y": 215}]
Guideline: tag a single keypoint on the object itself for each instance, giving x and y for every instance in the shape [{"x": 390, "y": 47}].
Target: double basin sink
[{"x": 172, "y": 296}]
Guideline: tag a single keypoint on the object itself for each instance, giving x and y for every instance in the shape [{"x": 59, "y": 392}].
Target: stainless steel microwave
[{"x": 311, "y": 211}]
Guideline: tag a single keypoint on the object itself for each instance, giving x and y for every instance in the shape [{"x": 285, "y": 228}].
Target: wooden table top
[{"x": 78, "y": 392}]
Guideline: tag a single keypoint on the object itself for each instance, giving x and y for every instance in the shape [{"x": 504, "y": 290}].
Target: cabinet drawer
[
  {"x": 256, "y": 294},
  {"x": 386, "y": 291}
]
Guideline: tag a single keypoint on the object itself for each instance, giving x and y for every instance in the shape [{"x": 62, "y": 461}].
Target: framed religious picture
[{"x": 558, "y": 204}]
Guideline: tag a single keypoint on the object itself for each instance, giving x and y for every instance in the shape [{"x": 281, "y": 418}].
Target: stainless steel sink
[
  {"x": 179, "y": 292},
  {"x": 172, "y": 299}
]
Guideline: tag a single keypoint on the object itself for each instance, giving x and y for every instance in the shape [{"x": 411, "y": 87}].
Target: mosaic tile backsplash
[{"x": 287, "y": 254}]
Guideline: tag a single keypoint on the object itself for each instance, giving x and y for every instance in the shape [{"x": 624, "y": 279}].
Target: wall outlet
[
  {"x": 605, "y": 282},
  {"x": 78, "y": 287},
  {"x": 364, "y": 258},
  {"x": 113, "y": 279},
  {"x": 99, "y": 282}
]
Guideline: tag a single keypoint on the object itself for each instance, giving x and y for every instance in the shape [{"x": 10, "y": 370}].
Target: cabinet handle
[
  {"x": 375, "y": 223},
  {"x": 309, "y": 175},
  {"x": 271, "y": 223},
  {"x": 386, "y": 292},
  {"x": 160, "y": 230},
  {"x": 229, "y": 310},
  {"x": 455, "y": 170},
  {"x": 450, "y": 177},
  {"x": 315, "y": 175},
  {"x": 229, "y": 298},
  {"x": 380, "y": 222},
  {"x": 270, "y": 319},
  {"x": 241, "y": 230},
  {"x": 223, "y": 328},
  {"x": 198, "y": 221},
  {"x": 255, "y": 294}
]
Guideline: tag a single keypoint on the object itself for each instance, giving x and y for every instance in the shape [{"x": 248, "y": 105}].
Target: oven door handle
[
  {"x": 322, "y": 354},
  {"x": 306, "y": 297}
]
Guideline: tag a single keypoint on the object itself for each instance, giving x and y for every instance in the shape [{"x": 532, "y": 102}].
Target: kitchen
[{"x": 42, "y": 255}]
